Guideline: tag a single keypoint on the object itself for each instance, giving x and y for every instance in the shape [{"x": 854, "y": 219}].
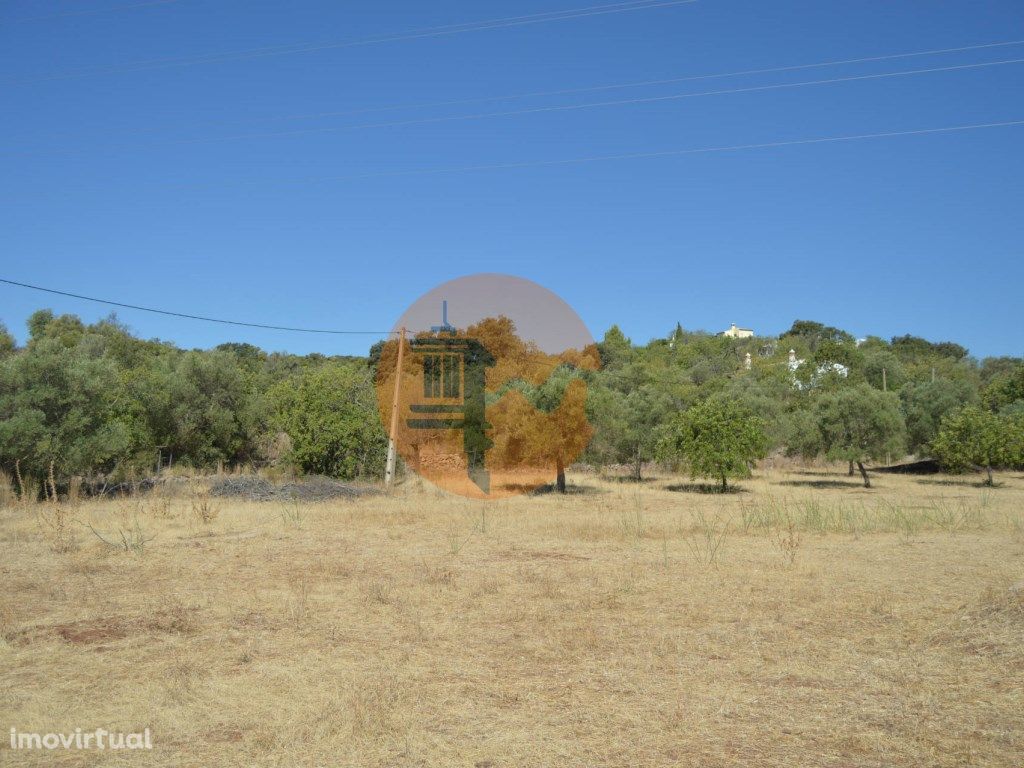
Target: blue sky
[{"x": 160, "y": 186}]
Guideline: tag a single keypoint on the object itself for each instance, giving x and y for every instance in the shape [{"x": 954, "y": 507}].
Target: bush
[{"x": 331, "y": 416}]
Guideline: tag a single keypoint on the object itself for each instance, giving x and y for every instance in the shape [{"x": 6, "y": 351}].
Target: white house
[
  {"x": 737, "y": 333},
  {"x": 825, "y": 368}
]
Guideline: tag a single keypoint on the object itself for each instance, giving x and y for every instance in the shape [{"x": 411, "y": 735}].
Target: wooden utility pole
[
  {"x": 888, "y": 459},
  {"x": 389, "y": 471}
]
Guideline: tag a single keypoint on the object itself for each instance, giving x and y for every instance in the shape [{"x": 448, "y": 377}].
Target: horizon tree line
[{"x": 93, "y": 401}]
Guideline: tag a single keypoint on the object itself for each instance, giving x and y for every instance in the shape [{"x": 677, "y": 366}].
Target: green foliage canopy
[
  {"x": 330, "y": 414},
  {"x": 974, "y": 437},
  {"x": 716, "y": 438},
  {"x": 859, "y": 424}
]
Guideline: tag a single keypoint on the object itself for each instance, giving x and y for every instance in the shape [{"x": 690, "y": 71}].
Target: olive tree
[
  {"x": 625, "y": 425},
  {"x": 860, "y": 424},
  {"x": 716, "y": 438},
  {"x": 60, "y": 411},
  {"x": 974, "y": 437},
  {"x": 925, "y": 403}
]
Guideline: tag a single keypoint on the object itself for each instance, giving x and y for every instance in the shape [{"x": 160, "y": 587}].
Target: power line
[
  {"x": 640, "y": 155},
  {"x": 633, "y": 84},
  {"x": 562, "y": 108},
  {"x": 92, "y": 12},
  {"x": 409, "y": 332},
  {"x": 601, "y": 159},
  {"x": 595, "y": 104},
  {"x": 606, "y": 87},
  {"x": 427, "y": 32},
  {"x": 193, "y": 317}
]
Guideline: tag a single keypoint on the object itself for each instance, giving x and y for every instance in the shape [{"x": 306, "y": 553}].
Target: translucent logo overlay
[{"x": 483, "y": 386}]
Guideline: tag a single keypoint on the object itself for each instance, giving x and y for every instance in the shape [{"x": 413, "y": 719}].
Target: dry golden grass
[{"x": 804, "y": 621}]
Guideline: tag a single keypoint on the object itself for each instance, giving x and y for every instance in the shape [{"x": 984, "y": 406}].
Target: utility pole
[
  {"x": 885, "y": 388},
  {"x": 389, "y": 472}
]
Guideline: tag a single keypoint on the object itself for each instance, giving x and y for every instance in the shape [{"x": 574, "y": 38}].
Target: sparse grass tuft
[
  {"x": 205, "y": 510},
  {"x": 631, "y": 519},
  {"x": 788, "y": 540},
  {"x": 128, "y": 538},
  {"x": 291, "y": 513},
  {"x": 8, "y": 495},
  {"x": 707, "y": 536}
]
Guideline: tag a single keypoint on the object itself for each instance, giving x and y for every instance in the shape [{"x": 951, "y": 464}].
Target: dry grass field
[{"x": 804, "y": 621}]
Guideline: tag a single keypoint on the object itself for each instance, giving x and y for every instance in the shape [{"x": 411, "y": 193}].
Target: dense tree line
[
  {"x": 814, "y": 391},
  {"x": 94, "y": 401}
]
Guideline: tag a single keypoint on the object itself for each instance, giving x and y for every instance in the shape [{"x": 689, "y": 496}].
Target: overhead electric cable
[
  {"x": 91, "y": 12},
  {"x": 632, "y": 84},
  {"x": 547, "y": 356},
  {"x": 193, "y": 317},
  {"x": 646, "y": 155},
  {"x": 550, "y": 109},
  {"x": 596, "y": 104},
  {"x": 427, "y": 32},
  {"x": 608, "y": 158}
]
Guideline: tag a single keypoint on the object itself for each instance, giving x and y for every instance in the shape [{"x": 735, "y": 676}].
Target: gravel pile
[{"x": 312, "y": 488}]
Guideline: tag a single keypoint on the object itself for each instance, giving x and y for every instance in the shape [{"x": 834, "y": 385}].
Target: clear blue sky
[{"x": 159, "y": 185}]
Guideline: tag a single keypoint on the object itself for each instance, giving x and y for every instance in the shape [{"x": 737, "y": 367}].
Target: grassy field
[{"x": 802, "y": 621}]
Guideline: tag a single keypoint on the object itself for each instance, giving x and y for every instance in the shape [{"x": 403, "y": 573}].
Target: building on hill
[
  {"x": 737, "y": 333},
  {"x": 823, "y": 370}
]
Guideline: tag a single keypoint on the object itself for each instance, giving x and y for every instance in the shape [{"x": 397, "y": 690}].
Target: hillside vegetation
[{"x": 95, "y": 403}]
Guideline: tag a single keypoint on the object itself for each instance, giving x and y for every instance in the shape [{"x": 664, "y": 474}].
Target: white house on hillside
[
  {"x": 825, "y": 368},
  {"x": 737, "y": 333}
]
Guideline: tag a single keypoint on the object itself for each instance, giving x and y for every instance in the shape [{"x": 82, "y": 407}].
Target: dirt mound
[{"x": 313, "y": 488}]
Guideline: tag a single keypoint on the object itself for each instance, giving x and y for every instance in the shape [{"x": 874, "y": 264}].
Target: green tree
[
  {"x": 765, "y": 396},
  {"x": 68, "y": 329},
  {"x": 251, "y": 358},
  {"x": 606, "y": 412},
  {"x": 37, "y": 323},
  {"x": 626, "y": 425},
  {"x": 556, "y": 431},
  {"x": 1014, "y": 420},
  {"x": 801, "y": 435},
  {"x": 60, "y": 407},
  {"x": 646, "y": 410},
  {"x": 7, "y": 343},
  {"x": 330, "y": 413},
  {"x": 925, "y": 403},
  {"x": 845, "y": 353},
  {"x": 882, "y": 369},
  {"x": 860, "y": 424},
  {"x": 716, "y": 438},
  {"x": 974, "y": 437},
  {"x": 1005, "y": 389},
  {"x": 208, "y": 398},
  {"x": 915, "y": 349},
  {"x": 812, "y": 333},
  {"x": 992, "y": 367},
  {"x": 616, "y": 350}
]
